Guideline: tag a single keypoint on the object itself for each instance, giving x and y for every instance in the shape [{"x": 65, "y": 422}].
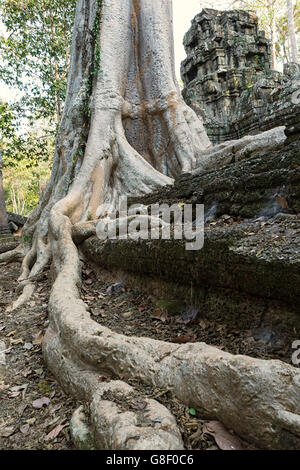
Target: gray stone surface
[{"x": 228, "y": 78}]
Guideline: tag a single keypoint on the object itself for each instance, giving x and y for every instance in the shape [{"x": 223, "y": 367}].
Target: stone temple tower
[{"x": 226, "y": 55}]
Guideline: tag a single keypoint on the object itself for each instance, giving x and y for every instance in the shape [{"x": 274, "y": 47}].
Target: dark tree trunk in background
[{"x": 4, "y": 228}]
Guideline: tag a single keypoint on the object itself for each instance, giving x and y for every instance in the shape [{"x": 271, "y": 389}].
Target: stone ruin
[{"x": 228, "y": 79}]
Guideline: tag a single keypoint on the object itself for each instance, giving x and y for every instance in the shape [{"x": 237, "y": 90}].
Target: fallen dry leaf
[
  {"x": 22, "y": 408},
  {"x": 182, "y": 339},
  {"x": 38, "y": 338},
  {"x": 26, "y": 372},
  {"x": 7, "y": 431},
  {"x": 101, "y": 296},
  {"x": 11, "y": 333},
  {"x": 24, "y": 428},
  {"x": 55, "y": 432},
  {"x": 14, "y": 394},
  {"x": 223, "y": 438},
  {"x": 31, "y": 420},
  {"x": 160, "y": 314},
  {"x": 16, "y": 341},
  {"x": 89, "y": 297},
  {"x": 127, "y": 315},
  {"x": 40, "y": 402}
]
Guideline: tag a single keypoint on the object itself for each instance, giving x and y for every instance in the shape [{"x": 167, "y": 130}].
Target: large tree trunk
[
  {"x": 292, "y": 34},
  {"x": 4, "y": 228},
  {"x": 126, "y": 130}
]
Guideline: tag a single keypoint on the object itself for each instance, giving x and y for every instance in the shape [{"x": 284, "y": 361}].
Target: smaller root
[
  {"x": 28, "y": 261},
  {"x": 82, "y": 231},
  {"x": 35, "y": 260},
  {"x": 28, "y": 290},
  {"x": 112, "y": 228},
  {"x": 38, "y": 277},
  {"x": 39, "y": 265},
  {"x": 8, "y": 247},
  {"x": 14, "y": 255}
]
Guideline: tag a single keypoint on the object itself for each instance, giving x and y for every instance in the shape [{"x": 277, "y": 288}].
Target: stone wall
[
  {"x": 247, "y": 189},
  {"x": 228, "y": 78}
]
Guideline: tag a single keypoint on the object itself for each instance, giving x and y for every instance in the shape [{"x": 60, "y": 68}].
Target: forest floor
[
  {"x": 129, "y": 312},
  {"x": 35, "y": 412}
]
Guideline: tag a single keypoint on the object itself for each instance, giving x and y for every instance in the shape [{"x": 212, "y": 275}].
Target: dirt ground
[{"x": 128, "y": 311}]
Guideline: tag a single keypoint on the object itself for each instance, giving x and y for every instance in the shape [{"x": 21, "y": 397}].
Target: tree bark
[{"x": 292, "y": 34}]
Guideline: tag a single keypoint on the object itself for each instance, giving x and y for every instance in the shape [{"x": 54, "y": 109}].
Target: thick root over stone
[
  {"x": 16, "y": 254},
  {"x": 120, "y": 419}
]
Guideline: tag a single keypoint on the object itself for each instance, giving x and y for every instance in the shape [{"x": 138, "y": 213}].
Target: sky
[
  {"x": 183, "y": 10},
  {"x": 183, "y": 13}
]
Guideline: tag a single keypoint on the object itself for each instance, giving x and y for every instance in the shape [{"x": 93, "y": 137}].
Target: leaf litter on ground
[{"x": 224, "y": 439}]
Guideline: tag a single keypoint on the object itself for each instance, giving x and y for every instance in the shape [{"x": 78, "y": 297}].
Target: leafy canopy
[{"x": 34, "y": 52}]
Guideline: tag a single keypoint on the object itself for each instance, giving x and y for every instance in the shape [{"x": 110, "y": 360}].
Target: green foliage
[
  {"x": 26, "y": 238},
  {"x": 96, "y": 62},
  {"x": 6, "y": 123},
  {"x": 272, "y": 18},
  {"x": 34, "y": 58},
  {"x": 26, "y": 161},
  {"x": 21, "y": 186},
  {"x": 30, "y": 147},
  {"x": 34, "y": 53},
  {"x": 282, "y": 44}
]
